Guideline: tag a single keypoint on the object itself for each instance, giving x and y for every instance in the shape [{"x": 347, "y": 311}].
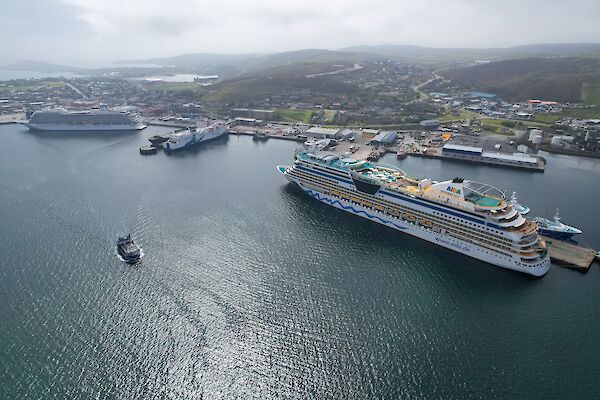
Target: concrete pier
[
  {"x": 270, "y": 136},
  {"x": 571, "y": 255}
]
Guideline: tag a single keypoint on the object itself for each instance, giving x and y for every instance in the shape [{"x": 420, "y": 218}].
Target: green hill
[
  {"x": 568, "y": 79},
  {"x": 263, "y": 83},
  {"x": 457, "y": 55}
]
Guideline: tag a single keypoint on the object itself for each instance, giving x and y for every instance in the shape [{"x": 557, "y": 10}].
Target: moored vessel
[
  {"x": 401, "y": 154},
  {"x": 260, "y": 135},
  {"x": 555, "y": 228},
  {"x": 468, "y": 217},
  {"x": 520, "y": 208},
  {"x": 192, "y": 137},
  {"x": 158, "y": 139},
  {"x": 89, "y": 120},
  {"x": 145, "y": 150}
]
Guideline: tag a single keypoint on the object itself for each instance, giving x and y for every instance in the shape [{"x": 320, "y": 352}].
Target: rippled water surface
[{"x": 249, "y": 289}]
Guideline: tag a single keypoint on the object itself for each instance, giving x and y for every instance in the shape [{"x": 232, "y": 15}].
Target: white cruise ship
[
  {"x": 90, "y": 120},
  {"x": 471, "y": 218},
  {"x": 192, "y": 137}
]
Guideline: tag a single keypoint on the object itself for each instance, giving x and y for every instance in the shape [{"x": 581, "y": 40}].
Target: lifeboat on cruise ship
[
  {"x": 426, "y": 223},
  {"x": 409, "y": 217}
]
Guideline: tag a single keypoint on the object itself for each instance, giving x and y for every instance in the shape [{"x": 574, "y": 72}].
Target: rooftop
[
  {"x": 457, "y": 147},
  {"x": 521, "y": 157},
  {"x": 317, "y": 130}
]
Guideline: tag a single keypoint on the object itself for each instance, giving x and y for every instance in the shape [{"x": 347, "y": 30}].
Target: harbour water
[{"x": 249, "y": 289}]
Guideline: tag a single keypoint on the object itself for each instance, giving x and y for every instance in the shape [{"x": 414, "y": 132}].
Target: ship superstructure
[
  {"x": 469, "y": 217},
  {"x": 89, "y": 120}
]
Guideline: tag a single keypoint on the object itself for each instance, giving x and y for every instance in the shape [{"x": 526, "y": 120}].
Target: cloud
[{"x": 143, "y": 28}]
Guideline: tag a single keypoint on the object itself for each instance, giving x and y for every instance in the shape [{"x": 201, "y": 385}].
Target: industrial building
[
  {"x": 249, "y": 121},
  {"x": 384, "y": 138},
  {"x": 430, "y": 123},
  {"x": 257, "y": 114},
  {"x": 317, "y": 131}
]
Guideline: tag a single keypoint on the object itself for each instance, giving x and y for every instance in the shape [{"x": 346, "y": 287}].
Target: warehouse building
[{"x": 384, "y": 138}]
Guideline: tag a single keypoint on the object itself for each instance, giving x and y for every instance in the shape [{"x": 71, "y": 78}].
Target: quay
[
  {"x": 170, "y": 124},
  {"x": 570, "y": 255},
  {"x": 500, "y": 160},
  {"x": 16, "y": 118},
  {"x": 267, "y": 135}
]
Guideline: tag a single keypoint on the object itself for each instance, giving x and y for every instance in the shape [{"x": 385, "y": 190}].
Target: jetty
[
  {"x": 497, "y": 159},
  {"x": 570, "y": 255},
  {"x": 266, "y": 135}
]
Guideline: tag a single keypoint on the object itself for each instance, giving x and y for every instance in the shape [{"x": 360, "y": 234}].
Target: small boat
[
  {"x": 148, "y": 150},
  {"x": 260, "y": 136},
  {"x": 158, "y": 139},
  {"x": 129, "y": 251},
  {"x": 401, "y": 154},
  {"x": 556, "y": 229},
  {"x": 521, "y": 209}
]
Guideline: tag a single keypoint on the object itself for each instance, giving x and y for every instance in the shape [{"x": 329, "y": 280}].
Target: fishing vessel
[
  {"x": 128, "y": 250},
  {"x": 89, "y": 120},
  {"x": 192, "y": 137},
  {"x": 520, "y": 208},
  {"x": 468, "y": 217},
  {"x": 401, "y": 154},
  {"x": 260, "y": 135},
  {"x": 556, "y": 229}
]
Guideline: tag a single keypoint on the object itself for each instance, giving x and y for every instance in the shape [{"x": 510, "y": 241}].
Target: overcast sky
[{"x": 91, "y": 31}]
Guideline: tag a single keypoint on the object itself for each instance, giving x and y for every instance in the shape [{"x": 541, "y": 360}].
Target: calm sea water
[{"x": 249, "y": 289}]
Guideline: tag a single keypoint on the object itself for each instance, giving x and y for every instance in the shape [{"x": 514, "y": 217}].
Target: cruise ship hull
[
  {"x": 79, "y": 128},
  {"x": 170, "y": 147},
  {"x": 422, "y": 232}
]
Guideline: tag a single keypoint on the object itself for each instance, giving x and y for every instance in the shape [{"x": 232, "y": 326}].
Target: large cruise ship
[
  {"x": 90, "y": 120},
  {"x": 471, "y": 218},
  {"x": 192, "y": 137}
]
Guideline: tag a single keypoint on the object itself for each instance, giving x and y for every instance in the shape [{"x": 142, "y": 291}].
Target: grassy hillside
[
  {"x": 303, "y": 116},
  {"x": 457, "y": 55},
  {"x": 590, "y": 93},
  {"x": 251, "y": 62},
  {"x": 265, "y": 83},
  {"x": 568, "y": 79}
]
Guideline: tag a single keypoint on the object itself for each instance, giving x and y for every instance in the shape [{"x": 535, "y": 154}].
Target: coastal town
[{"x": 403, "y": 107}]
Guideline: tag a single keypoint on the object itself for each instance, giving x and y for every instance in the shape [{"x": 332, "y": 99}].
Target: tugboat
[
  {"x": 556, "y": 229},
  {"x": 158, "y": 139},
  {"x": 520, "y": 208},
  {"x": 148, "y": 150},
  {"x": 129, "y": 251}
]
